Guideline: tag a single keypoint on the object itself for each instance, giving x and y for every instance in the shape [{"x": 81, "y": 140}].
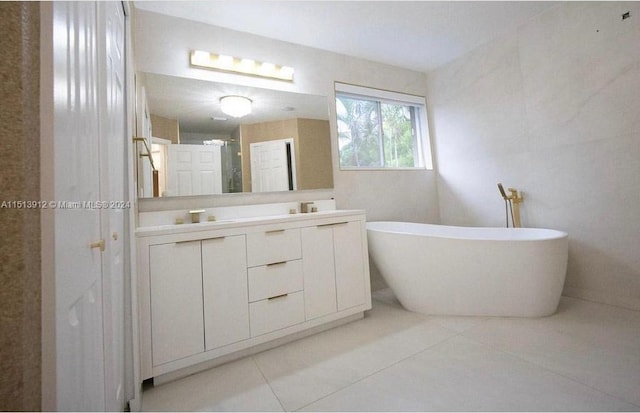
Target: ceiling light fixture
[
  {"x": 236, "y": 106},
  {"x": 199, "y": 58}
]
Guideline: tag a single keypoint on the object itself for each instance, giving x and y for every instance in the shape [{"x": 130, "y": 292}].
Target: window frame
[{"x": 422, "y": 142}]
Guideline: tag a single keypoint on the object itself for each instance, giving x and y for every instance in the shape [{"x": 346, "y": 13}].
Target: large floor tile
[
  {"x": 237, "y": 386},
  {"x": 463, "y": 375},
  {"x": 600, "y": 324},
  {"x": 585, "y": 357},
  {"x": 593, "y": 344},
  {"x": 455, "y": 323},
  {"x": 306, "y": 370}
]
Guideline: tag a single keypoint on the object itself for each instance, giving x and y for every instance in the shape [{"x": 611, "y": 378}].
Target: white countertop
[{"x": 148, "y": 231}]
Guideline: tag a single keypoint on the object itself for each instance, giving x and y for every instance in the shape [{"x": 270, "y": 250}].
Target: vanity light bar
[{"x": 251, "y": 67}]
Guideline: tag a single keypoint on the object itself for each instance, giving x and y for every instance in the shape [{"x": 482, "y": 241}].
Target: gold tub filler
[{"x": 512, "y": 203}]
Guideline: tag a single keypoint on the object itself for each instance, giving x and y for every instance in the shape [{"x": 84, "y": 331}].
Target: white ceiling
[{"x": 419, "y": 35}]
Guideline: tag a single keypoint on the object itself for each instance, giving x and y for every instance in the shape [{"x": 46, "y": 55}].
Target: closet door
[
  {"x": 78, "y": 242},
  {"x": 88, "y": 165},
  {"x": 113, "y": 192}
]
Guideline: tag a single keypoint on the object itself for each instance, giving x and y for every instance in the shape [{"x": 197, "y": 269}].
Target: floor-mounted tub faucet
[{"x": 512, "y": 202}]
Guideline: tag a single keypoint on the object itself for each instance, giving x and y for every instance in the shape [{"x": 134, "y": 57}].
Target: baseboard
[{"x": 630, "y": 303}]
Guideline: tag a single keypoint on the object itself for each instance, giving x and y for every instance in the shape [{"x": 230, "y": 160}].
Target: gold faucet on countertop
[
  {"x": 306, "y": 207},
  {"x": 514, "y": 200}
]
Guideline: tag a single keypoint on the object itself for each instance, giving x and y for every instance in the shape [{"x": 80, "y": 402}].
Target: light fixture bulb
[
  {"x": 236, "y": 106},
  {"x": 199, "y": 58},
  {"x": 225, "y": 62},
  {"x": 267, "y": 69}
]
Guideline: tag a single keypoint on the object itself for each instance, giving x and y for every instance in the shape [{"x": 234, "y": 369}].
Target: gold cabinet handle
[
  {"x": 276, "y": 263},
  {"x": 333, "y": 224},
  {"x": 274, "y": 231},
  {"x": 277, "y": 296},
  {"x": 214, "y": 238},
  {"x": 98, "y": 244}
]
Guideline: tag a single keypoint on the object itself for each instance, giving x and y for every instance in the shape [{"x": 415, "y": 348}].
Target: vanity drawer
[
  {"x": 275, "y": 279},
  {"x": 273, "y": 246},
  {"x": 276, "y": 313}
]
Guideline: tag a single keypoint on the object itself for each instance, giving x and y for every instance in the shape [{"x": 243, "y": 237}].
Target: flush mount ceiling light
[
  {"x": 236, "y": 106},
  {"x": 198, "y": 58}
]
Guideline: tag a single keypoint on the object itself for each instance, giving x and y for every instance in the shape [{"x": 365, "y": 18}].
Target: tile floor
[{"x": 586, "y": 357}]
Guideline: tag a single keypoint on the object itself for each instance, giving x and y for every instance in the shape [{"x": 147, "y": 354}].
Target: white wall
[
  {"x": 162, "y": 45},
  {"x": 552, "y": 109}
]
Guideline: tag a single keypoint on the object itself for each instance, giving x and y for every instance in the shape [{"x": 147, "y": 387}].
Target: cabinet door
[
  {"x": 177, "y": 326},
  {"x": 348, "y": 250},
  {"x": 226, "y": 300},
  {"x": 319, "y": 271}
]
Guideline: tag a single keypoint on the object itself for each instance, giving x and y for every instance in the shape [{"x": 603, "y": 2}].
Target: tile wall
[{"x": 553, "y": 109}]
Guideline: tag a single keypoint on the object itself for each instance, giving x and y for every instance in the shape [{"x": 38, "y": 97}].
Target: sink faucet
[
  {"x": 305, "y": 207},
  {"x": 195, "y": 215}
]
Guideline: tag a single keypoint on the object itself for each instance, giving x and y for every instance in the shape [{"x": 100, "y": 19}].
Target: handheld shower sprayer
[
  {"x": 507, "y": 202},
  {"x": 504, "y": 194}
]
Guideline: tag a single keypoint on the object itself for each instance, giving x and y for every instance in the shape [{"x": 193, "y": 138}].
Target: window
[{"x": 378, "y": 129}]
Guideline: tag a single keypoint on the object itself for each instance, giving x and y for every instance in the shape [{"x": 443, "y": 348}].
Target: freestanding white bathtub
[{"x": 446, "y": 270}]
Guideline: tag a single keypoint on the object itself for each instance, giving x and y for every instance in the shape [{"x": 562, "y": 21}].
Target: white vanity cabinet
[
  {"x": 348, "y": 242},
  {"x": 213, "y": 290},
  {"x": 176, "y": 278},
  {"x": 319, "y": 271},
  {"x": 224, "y": 284},
  {"x": 334, "y": 280},
  {"x": 198, "y": 296},
  {"x": 275, "y": 279}
]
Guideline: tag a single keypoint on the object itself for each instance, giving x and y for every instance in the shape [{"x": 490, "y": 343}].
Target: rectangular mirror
[{"x": 282, "y": 144}]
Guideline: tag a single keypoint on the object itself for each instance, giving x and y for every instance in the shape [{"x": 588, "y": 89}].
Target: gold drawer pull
[
  {"x": 276, "y": 263},
  {"x": 277, "y": 296},
  {"x": 333, "y": 224},
  {"x": 274, "y": 231},
  {"x": 198, "y": 240},
  {"x": 98, "y": 244},
  {"x": 212, "y": 238}
]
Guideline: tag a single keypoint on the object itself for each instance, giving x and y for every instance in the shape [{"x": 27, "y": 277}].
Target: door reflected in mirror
[{"x": 282, "y": 144}]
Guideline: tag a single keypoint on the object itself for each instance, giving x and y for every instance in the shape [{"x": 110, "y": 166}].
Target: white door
[
  {"x": 194, "y": 170},
  {"x": 113, "y": 191},
  {"x": 78, "y": 282},
  {"x": 272, "y": 167}
]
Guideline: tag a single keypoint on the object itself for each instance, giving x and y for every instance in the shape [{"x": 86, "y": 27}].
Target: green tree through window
[{"x": 373, "y": 133}]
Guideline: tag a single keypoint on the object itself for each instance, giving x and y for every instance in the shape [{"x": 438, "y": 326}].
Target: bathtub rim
[{"x": 468, "y": 233}]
